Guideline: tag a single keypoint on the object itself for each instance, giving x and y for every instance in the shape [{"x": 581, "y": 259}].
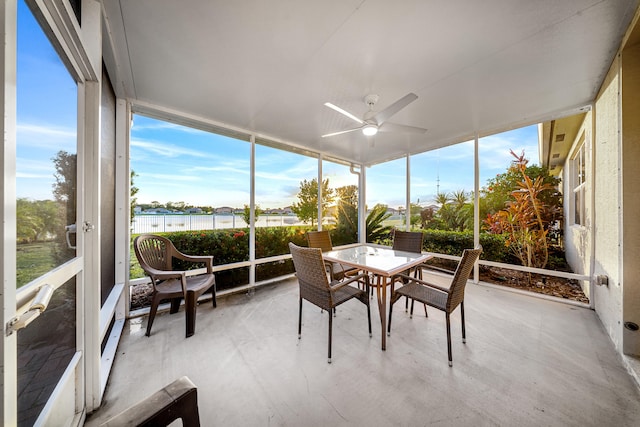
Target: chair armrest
[
  {"x": 177, "y": 400},
  {"x": 329, "y": 266},
  {"x": 350, "y": 280},
  {"x": 422, "y": 282},
  {"x": 438, "y": 269},
  {"x": 207, "y": 259}
]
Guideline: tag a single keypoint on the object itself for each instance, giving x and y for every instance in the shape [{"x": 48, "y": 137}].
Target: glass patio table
[{"x": 382, "y": 262}]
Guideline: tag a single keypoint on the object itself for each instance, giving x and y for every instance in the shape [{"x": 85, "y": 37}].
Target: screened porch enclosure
[
  {"x": 234, "y": 112},
  {"x": 242, "y": 198}
]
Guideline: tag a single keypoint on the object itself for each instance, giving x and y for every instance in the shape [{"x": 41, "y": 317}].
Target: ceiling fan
[{"x": 373, "y": 121}]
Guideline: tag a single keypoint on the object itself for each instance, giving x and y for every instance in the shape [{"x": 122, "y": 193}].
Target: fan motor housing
[{"x": 371, "y": 100}]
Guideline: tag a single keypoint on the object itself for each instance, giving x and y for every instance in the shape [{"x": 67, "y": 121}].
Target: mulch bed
[
  {"x": 548, "y": 285},
  {"x": 141, "y": 296}
]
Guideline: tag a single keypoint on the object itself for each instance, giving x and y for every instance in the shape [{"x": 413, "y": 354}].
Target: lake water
[{"x": 166, "y": 223}]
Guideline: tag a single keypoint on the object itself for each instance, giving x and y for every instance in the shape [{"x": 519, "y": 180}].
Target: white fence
[{"x": 164, "y": 223}]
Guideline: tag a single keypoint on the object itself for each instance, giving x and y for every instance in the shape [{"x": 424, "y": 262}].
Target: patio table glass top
[{"x": 381, "y": 261}]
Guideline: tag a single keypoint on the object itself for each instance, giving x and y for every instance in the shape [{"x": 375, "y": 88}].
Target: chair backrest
[
  {"x": 408, "y": 241},
  {"x": 319, "y": 239},
  {"x": 456, "y": 291},
  {"x": 153, "y": 251},
  {"x": 311, "y": 274}
]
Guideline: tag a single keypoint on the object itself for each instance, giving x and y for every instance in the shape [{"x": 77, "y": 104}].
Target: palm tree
[
  {"x": 442, "y": 199},
  {"x": 376, "y": 230}
]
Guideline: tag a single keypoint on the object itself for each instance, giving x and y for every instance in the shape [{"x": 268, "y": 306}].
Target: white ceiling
[{"x": 269, "y": 66}]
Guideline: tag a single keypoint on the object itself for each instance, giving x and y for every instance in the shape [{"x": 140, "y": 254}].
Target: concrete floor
[{"x": 527, "y": 362}]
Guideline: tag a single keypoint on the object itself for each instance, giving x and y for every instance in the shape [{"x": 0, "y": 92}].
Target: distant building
[
  {"x": 224, "y": 210},
  {"x": 287, "y": 210},
  {"x": 154, "y": 211}
]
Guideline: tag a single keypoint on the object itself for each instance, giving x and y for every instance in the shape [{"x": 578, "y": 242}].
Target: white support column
[
  {"x": 407, "y": 211},
  {"x": 252, "y": 216},
  {"x": 8, "y": 348},
  {"x": 362, "y": 206},
  {"x": 89, "y": 55},
  {"x": 320, "y": 192},
  {"x": 89, "y": 188},
  {"x": 476, "y": 202},
  {"x": 123, "y": 202}
]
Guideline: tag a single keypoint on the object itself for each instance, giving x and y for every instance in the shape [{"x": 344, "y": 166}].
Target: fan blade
[
  {"x": 394, "y": 127},
  {"x": 341, "y": 111},
  {"x": 383, "y": 115},
  {"x": 341, "y": 132}
]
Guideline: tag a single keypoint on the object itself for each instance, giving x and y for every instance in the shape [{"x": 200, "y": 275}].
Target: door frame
[{"x": 77, "y": 389}]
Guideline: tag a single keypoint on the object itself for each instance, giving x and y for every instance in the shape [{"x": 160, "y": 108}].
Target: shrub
[
  {"x": 454, "y": 242},
  {"x": 232, "y": 245},
  {"x": 272, "y": 241}
]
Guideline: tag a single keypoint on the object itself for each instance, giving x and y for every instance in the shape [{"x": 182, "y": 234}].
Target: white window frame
[{"x": 578, "y": 170}]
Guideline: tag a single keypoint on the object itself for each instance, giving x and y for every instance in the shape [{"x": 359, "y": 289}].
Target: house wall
[
  {"x": 607, "y": 202},
  {"x": 631, "y": 196},
  {"x": 609, "y": 242}
]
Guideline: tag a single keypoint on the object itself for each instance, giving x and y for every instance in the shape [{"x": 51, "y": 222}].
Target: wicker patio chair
[
  {"x": 315, "y": 286},
  {"x": 322, "y": 240},
  {"x": 442, "y": 298},
  {"x": 155, "y": 255},
  {"x": 409, "y": 241}
]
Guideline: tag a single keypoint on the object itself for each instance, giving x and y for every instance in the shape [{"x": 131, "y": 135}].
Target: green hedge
[
  {"x": 454, "y": 242},
  {"x": 232, "y": 245}
]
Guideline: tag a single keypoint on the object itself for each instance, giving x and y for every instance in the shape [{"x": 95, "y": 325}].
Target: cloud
[
  {"x": 242, "y": 169},
  {"x": 167, "y": 179},
  {"x": 280, "y": 176},
  {"x": 46, "y": 136},
  {"x": 33, "y": 168},
  {"x": 26, "y": 175},
  {"x": 143, "y": 124},
  {"x": 166, "y": 149},
  {"x": 34, "y": 178}
]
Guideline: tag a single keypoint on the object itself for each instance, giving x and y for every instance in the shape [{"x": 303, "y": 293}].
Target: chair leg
[
  {"x": 369, "y": 318},
  {"x": 449, "y": 339},
  {"x": 464, "y": 336},
  {"x": 213, "y": 296},
  {"x": 330, "y": 329},
  {"x": 389, "y": 322},
  {"x": 152, "y": 313},
  {"x": 175, "y": 305},
  {"x": 300, "y": 320},
  {"x": 411, "y": 313},
  {"x": 406, "y": 304},
  {"x": 190, "y": 311}
]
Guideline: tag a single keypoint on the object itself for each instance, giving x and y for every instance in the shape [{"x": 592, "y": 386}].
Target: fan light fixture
[
  {"x": 373, "y": 121},
  {"x": 370, "y": 130}
]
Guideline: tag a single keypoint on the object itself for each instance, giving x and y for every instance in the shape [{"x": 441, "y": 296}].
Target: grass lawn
[{"x": 33, "y": 260}]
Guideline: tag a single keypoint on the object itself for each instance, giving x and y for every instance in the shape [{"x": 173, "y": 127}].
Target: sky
[
  {"x": 179, "y": 164},
  {"x": 46, "y": 109}
]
